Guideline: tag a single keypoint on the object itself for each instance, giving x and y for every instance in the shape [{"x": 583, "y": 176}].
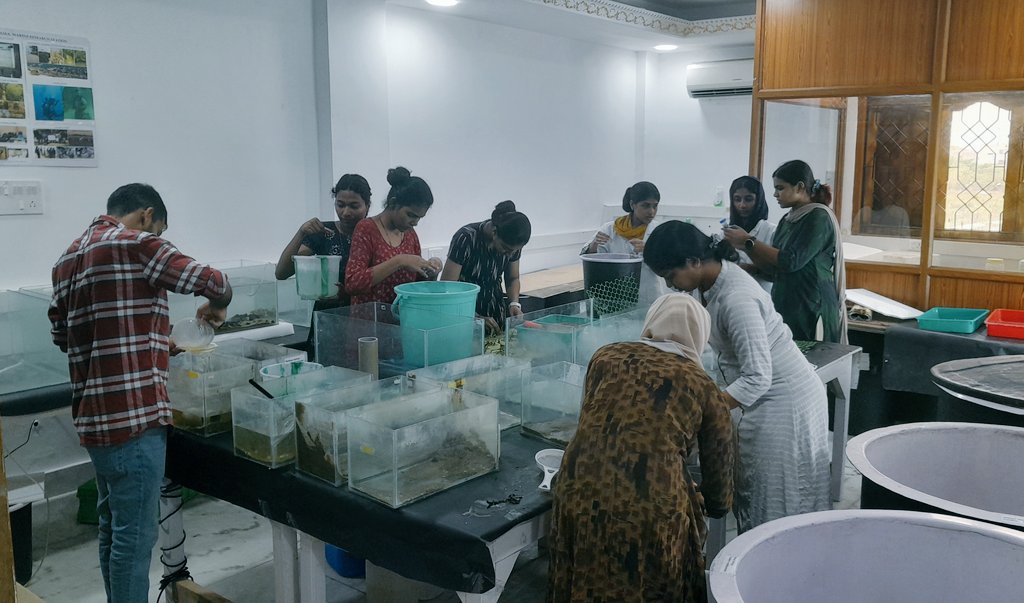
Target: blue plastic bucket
[
  {"x": 436, "y": 319},
  {"x": 347, "y": 565}
]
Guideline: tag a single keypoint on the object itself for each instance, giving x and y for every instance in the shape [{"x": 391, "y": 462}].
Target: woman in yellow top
[{"x": 628, "y": 233}]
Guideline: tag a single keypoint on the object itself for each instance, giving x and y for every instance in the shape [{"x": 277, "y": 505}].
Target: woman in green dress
[{"x": 805, "y": 257}]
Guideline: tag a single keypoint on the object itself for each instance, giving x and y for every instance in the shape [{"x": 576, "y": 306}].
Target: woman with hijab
[
  {"x": 805, "y": 256},
  {"x": 627, "y": 234},
  {"x": 628, "y": 520},
  {"x": 782, "y": 430},
  {"x": 748, "y": 217}
]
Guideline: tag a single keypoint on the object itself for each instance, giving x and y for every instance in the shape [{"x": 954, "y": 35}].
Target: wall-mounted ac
[{"x": 720, "y": 78}]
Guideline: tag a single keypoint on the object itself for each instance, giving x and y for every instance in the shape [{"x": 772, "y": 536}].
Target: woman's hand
[
  {"x": 638, "y": 245},
  {"x": 313, "y": 226},
  {"x": 436, "y": 264},
  {"x": 600, "y": 238},
  {"x": 735, "y": 235},
  {"x": 418, "y": 265},
  {"x": 515, "y": 310},
  {"x": 490, "y": 325}
]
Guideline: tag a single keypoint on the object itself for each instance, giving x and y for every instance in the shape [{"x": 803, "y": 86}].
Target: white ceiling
[{"x": 531, "y": 15}]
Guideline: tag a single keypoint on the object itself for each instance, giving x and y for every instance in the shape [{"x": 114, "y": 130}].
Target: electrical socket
[{"x": 35, "y": 426}]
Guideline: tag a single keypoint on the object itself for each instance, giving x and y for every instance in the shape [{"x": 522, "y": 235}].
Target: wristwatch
[{"x": 749, "y": 243}]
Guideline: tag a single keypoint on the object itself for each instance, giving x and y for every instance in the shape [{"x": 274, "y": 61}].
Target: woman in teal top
[{"x": 805, "y": 256}]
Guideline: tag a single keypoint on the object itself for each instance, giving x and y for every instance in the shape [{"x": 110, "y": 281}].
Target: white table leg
[
  {"x": 504, "y": 552},
  {"x": 716, "y": 539},
  {"x": 286, "y": 563},
  {"x": 840, "y": 386},
  {"x": 312, "y": 570}
]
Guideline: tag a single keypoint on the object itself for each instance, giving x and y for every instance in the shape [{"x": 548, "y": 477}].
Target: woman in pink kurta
[{"x": 385, "y": 249}]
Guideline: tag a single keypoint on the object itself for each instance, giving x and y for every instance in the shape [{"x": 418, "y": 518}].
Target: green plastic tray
[{"x": 952, "y": 320}]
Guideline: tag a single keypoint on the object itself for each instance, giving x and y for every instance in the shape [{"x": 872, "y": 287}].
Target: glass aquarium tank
[
  {"x": 28, "y": 357},
  {"x": 253, "y": 302},
  {"x": 292, "y": 308},
  {"x": 263, "y": 429},
  {"x": 321, "y": 420},
  {"x": 199, "y": 387},
  {"x": 337, "y": 334},
  {"x": 611, "y": 328},
  {"x": 552, "y": 398},
  {"x": 408, "y": 448},
  {"x": 260, "y": 353},
  {"x": 548, "y": 335},
  {"x": 498, "y": 377}
]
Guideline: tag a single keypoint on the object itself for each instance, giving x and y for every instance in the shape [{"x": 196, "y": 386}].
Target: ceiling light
[
  {"x": 442, "y": 2},
  {"x": 664, "y": 47}
]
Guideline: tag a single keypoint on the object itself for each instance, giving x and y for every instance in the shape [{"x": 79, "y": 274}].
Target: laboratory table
[{"x": 452, "y": 539}]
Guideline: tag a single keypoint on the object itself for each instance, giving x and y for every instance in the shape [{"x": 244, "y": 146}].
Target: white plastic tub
[
  {"x": 868, "y": 556},
  {"x": 968, "y": 469}
]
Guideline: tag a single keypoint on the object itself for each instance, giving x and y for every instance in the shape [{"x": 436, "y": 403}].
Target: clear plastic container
[
  {"x": 28, "y": 357},
  {"x": 548, "y": 335},
  {"x": 263, "y": 429},
  {"x": 499, "y": 377},
  {"x": 552, "y": 398},
  {"x": 292, "y": 308},
  {"x": 408, "y": 448},
  {"x": 337, "y": 334},
  {"x": 613, "y": 328},
  {"x": 199, "y": 387},
  {"x": 317, "y": 276},
  {"x": 192, "y": 335},
  {"x": 321, "y": 437}
]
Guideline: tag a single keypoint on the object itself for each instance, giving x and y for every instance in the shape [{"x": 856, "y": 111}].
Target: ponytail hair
[
  {"x": 674, "y": 244},
  {"x": 511, "y": 226},
  {"x": 794, "y": 172},
  {"x": 638, "y": 193},
  {"x": 407, "y": 190}
]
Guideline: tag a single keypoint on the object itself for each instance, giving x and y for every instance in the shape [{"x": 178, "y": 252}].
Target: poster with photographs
[{"x": 47, "y": 115}]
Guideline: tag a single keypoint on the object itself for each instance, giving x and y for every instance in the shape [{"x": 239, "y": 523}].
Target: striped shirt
[{"x": 109, "y": 310}]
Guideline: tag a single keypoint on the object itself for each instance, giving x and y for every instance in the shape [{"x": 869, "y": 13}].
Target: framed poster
[{"x": 47, "y": 115}]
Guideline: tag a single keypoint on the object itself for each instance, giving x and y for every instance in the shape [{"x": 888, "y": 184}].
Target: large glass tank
[
  {"x": 321, "y": 419},
  {"x": 499, "y": 377},
  {"x": 260, "y": 353},
  {"x": 263, "y": 429},
  {"x": 552, "y": 398},
  {"x": 292, "y": 308},
  {"x": 612, "y": 328},
  {"x": 253, "y": 301},
  {"x": 408, "y": 448},
  {"x": 337, "y": 334},
  {"x": 28, "y": 357},
  {"x": 199, "y": 387},
  {"x": 548, "y": 335}
]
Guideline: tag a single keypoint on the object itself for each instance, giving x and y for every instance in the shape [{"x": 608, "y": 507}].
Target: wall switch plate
[{"x": 21, "y": 197}]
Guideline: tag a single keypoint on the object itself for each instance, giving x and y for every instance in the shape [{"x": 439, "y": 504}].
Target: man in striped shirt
[{"x": 109, "y": 313}]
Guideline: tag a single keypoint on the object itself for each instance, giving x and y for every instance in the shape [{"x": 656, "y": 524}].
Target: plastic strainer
[{"x": 549, "y": 460}]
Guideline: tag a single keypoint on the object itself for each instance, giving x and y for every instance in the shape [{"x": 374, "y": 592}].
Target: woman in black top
[
  {"x": 351, "y": 203},
  {"x": 485, "y": 252}
]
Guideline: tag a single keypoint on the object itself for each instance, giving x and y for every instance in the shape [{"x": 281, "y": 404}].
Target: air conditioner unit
[{"x": 720, "y": 78}]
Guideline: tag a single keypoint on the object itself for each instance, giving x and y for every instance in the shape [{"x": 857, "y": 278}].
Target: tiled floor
[{"x": 229, "y": 552}]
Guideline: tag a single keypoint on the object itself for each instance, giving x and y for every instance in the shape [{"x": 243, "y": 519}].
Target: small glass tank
[
  {"x": 263, "y": 429},
  {"x": 337, "y": 333},
  {"x": 499, "y": 377},
  {"x": 199, "y": 387},
  {"x": 28, "y": 357},
  {"x": 552, "y": 398},
  {"x": 260, "y": 353},
  {"x": 612, "y": 328},
  {"x": 253, "y": 302},
  {"x": 321, "y": 437},
  {"x": 548, "y": 335},
  {"x": 408, "y": 448}
]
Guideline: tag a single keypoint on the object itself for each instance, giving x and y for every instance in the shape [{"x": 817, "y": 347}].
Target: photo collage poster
[{"x": 47, "y": 116}]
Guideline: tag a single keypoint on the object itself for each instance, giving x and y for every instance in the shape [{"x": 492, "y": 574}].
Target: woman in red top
[{"x": 385, "y": 249}]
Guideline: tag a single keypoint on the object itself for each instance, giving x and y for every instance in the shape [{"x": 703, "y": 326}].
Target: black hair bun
[
  {"x": 398, "y": 176},
  {"x": 505, "y": 207}
]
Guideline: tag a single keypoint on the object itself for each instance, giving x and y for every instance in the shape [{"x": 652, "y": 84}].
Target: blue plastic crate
[{"x": 952, "y": 320}]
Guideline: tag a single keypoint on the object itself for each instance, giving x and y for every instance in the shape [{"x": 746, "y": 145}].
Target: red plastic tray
[{"x": 1006, "y": 323}]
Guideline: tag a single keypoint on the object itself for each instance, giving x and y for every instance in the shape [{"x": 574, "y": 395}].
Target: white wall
[
  {"x": 210, "y": 102},
  {"x": 693, "y": 147},
  {"x": 484, "y": 113}
]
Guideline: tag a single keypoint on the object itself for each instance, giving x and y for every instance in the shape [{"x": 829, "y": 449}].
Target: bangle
[{"x": 515, "y": 305}]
